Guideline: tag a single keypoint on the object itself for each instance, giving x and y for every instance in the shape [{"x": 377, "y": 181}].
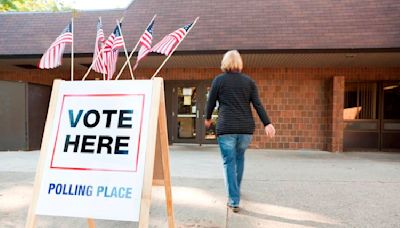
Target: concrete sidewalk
[{"x": 280, "y": 189}]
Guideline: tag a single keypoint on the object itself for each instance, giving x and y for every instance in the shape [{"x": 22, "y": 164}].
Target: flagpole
[
  {"x": 72, "y": 49},
  {"x": 159, "y": 68},
  {"x": 126, "y": 52},
  {"x": 133, "y": 50}
]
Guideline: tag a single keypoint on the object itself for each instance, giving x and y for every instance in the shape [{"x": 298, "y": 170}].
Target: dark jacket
[{"x": 234, "y": 93}]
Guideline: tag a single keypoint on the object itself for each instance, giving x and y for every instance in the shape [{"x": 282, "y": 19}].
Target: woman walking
[{"x": 234, "y": 92}]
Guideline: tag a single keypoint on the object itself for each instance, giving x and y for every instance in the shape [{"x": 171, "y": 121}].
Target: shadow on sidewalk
[{"x": 261, "y": 216}]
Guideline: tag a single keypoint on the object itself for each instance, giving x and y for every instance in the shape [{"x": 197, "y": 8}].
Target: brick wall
[
  {"x": 305, "y": 105},
  {"x": 298, "y": 110}
]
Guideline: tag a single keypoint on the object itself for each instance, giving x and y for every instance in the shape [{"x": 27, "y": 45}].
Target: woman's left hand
[
  {"x": 270, "y": 130},
  {"x": 207, "y": 123}
]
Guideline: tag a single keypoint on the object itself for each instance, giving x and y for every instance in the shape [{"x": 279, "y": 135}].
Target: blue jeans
[{"x": 232, "y": 147}]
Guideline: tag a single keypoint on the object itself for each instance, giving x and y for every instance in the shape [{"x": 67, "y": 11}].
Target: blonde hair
[{"x": 232, "y": 62}]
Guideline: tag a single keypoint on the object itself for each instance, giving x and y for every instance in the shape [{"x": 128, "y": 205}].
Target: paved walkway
[{"x": 280, "y": 189}]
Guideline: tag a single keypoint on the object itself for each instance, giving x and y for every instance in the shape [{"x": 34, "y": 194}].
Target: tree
[{"x": 31, "y": 5}]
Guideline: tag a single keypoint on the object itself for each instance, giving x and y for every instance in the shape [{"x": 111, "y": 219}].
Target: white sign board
[{"x": 95, "y": 157}]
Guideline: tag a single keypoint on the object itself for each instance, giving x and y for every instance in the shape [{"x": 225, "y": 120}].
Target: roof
[{"x": 223, "y": 25}]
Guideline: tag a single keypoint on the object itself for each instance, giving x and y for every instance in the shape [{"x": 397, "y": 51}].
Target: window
[{"x": 360, "y": 101}]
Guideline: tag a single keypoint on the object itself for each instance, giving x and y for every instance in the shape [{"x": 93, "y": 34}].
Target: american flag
[
  {"x": 114, "y": 42},
  {"x": 97, "y": 62},
  {"x": 145, "y": 42},
  {"x": 52, "y": 57},
  {"x": 167, "y": 44}
]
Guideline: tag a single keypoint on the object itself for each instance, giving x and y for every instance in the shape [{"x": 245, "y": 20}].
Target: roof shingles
[{"x": 223, "y": 25}]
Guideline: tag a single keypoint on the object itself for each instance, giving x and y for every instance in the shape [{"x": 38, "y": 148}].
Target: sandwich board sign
[{"x": 99, "y": 147}]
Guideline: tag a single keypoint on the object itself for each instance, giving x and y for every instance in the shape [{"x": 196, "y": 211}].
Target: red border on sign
[{"x": 98, "y": 169}]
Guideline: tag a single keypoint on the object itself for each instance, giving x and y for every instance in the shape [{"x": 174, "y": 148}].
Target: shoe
[{"x": 235, "y": 209}]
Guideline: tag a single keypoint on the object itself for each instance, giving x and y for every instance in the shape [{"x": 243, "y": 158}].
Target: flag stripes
[
  {"x": 111, "y": 58},
  {"x": 98, "y": 65},
  {"x": 168, "y": 43},
  {"x": 114, "y": 42},
  {"x": 145, "y": 42},
  {"x": 53, "y": 56}
]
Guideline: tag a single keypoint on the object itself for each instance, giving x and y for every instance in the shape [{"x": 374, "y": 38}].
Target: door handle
[{"x": 197, "y": 114}]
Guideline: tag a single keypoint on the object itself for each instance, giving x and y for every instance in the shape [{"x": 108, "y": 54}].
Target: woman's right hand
[{"x": 270, "y": 130}]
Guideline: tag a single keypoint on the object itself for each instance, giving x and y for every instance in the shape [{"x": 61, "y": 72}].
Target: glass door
[
  {"x": 187, "y": 113},
  {"x": 390, "y": 123},
  {"x": 372, "y": 116},
  {"x": 186, "y": 107}
]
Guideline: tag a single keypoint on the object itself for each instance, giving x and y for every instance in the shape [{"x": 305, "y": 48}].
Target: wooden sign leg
[
  {"x": 161, "y": 173},
  {"x": 91, "y": 223},
  {"x": 157, "y": 158},
  {"x": 31, "y": 218},
  {"x": 163, "y": 134},
  {"x": 150, "y": 155}
]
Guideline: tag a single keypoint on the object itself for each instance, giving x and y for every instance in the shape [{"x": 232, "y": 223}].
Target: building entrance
[
  {"x": 186, "y": 107},
  {"x": 372, "y": 116}
]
